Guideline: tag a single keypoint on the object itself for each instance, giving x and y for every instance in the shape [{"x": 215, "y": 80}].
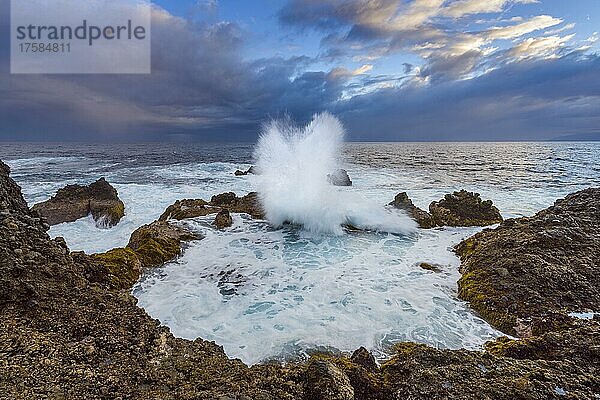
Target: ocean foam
[{"x": 293, "y": 164}]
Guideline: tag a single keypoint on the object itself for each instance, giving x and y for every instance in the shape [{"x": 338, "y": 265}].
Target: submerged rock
[
  {"x": 159, "y": 242},
  {"x": 223, "y": 219},
  {"x": 73, "y": 202},
  {"x": 187, "y": 208},
  {"x": 464, "y": 209},
  {"x": 430, "y": 267},
  {"x": 339, "y": 178},
  {"x": 523, "y": 274},
  {"x": 402, "y": 202}
]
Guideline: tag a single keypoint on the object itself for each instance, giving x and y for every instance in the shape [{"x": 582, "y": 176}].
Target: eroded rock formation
[{"x": 72, "y": 202}]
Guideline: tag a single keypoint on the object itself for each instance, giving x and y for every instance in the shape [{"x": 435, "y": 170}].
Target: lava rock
[
  {"x": 187, "y": 208},
  {"x": 159, "y": 242},
  {"x": 324, "y": 381},
  {"x": 73, "y": 202},
  {"x": 523, "y": 274},
  {"x": 223, "y": 219},
  {"x": 251, "y": 170},
  {"x": 464, "y": 209},
  {"x": 248, "y": 204},
  {"x": 339, "y": 178},
  {"x": 403, "y": 202}
]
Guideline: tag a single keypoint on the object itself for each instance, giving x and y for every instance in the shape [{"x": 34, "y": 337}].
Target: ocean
[{"x": 265, "y": 292}]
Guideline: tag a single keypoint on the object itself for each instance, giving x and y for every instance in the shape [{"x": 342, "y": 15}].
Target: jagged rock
[
  {"x": 159, "y": 242},
  {"x": 66, "y": 333},
  {"x": 75, "y": 201},
  {"x": 464, "y": 209},
  {"x": 324, "y": 381},
  {"x": 187, "y": 208},
  {"x": 249, "y": 204},
  {"x": 402, "y": 202},
  {"x": 223, "y": 219},
  {"x": 251, "y": 170},
  {"x": 362, "y": 357},
  {"x": 339, "y": 178},
  {"x": 124, "y": 266},
  {"x": 522, "y": 274}
]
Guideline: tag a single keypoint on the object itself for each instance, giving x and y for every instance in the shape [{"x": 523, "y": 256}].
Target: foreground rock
[
  {"x": 464, "y": 209},
  {"x": 339, "y": 178},
  {"x": 526, "y": 275},
  {"x": 73, "y": 202},
  {"x": 402, "y": 202},
  {"x": 65, "y": 332}
]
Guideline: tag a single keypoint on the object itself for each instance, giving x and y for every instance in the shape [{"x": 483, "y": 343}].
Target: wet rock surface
[
  {"x": 464, "y": 209},
  {"x": 191, "y": 208},
  {"x": 223, "y": 219},
  {"x": 73, "y": 202},
  {"x": 423, "y": 218},
  {"x": 67, "y": 331},
  {"x": 251, "y": 170},
  {"x": 187, "y": 208},
  {"x": 339, "y": 178},
  {"x": 159, "y": 242},
  {"x": 248, "y": 204},
  {"x": 527, "y": 274},
  {"x": 457, "y": 209}
]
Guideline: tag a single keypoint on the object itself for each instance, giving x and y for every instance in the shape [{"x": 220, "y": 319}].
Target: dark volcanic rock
[
  {"x": 187, "y": 208},
  {"x": 339, "y": 178},
  {"x": 223, "y": 219},
  {"x": 75, "y": 201},
  {"x": 402, "y": 202},
  {"x": 528, "y": 270},
  {"x": 67, "y": 333},
  {"x": 248, "y": 204},
  {"x": 324, "y": 381},
  {"x": 159, "y": 242},
  {"x": 251, "y": 170},
  {"x": 464, "y": 209}
]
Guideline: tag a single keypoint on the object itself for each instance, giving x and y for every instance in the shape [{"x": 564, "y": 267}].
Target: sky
[{"x": 391, "y": 70}]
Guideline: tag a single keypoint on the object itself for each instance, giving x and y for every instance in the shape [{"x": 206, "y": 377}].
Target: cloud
[
  {"x": 531, "y": 100},
  {"x": 514, "y": 31},
  {"x": 462, "y": 8},
  {"x": 458, "y": 84}
]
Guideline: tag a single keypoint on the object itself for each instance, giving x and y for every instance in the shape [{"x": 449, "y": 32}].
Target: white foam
[
  {"x": 293, "y": 164},
  {"x": 265, "y": 293}
]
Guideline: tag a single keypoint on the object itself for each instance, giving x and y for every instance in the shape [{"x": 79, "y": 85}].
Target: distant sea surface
[{"x": 277, "y": 293}]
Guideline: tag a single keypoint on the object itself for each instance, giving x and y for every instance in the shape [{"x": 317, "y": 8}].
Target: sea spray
[{"x": 293, "y": 163}]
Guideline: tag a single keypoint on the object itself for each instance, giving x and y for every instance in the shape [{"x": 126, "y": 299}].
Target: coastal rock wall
[
  {"x": 525, "y": 276},
  {"x": 67, "y": 332}
]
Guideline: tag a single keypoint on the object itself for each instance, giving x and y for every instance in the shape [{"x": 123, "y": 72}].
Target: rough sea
[{"x": 265, "y": 292}]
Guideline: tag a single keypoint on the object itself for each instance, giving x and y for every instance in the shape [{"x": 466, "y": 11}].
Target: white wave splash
[{"x": 293, "y": 164}]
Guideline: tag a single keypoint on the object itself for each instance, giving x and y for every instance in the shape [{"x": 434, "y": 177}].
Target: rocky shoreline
[{"x": 69, "y": 328}]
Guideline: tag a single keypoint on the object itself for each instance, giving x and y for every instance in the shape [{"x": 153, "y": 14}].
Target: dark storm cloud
[
  {"x": 521, "y": 101},
  {"x": 199, "y": 86},
  {"x": 202, "y": 89}
]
